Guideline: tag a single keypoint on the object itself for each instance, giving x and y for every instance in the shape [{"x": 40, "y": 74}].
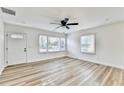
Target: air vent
[{"x": 8, "y": 11}]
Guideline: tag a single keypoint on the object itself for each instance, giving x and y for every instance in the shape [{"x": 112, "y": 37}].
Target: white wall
[
  {"x": 32, "y": 42},
  {"x": 109, "y": 45},
  {"x": 1, "y": 45}
]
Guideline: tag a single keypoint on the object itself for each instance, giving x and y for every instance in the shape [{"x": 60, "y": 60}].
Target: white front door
[{"x": 16, "y": 48}]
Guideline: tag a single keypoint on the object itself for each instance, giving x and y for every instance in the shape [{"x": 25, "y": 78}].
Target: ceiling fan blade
[
  {"x": 56, "y": 23},
  {"x": 58, "y": 27},
  {"x": 67, "y": 27},
  {"x": 73, "y": 24}
]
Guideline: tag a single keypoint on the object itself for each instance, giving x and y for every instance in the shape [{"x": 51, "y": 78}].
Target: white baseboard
[
  {"x": 97, "y": 62},
  {"x": 31, "y": 61}
]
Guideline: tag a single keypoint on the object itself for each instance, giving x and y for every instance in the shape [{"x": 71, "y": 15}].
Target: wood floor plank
[
  {"x": 107, "y": 76},
  {"x": 85, "y": 70},
  {"x": 27, "y": 74},
  {"x": 93, "y": 80},
  {"x": 66, "y": 75},
  {"x": 49, "y": 75},
  {"x": 63, "y": 71}
]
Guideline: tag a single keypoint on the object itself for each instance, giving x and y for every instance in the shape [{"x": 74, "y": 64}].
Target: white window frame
[
  {"x": 39, "y": 44},
  {"x": 61, "y": 43},
  {"x": 94, "y": 52},
  {"x": 47, "y": 44}
]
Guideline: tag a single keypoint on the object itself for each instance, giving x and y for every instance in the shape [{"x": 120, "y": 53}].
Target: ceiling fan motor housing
[{"x": 64, "y": 22}]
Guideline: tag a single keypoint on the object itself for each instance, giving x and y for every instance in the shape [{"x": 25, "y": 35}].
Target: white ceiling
[{"x": 40, "y": 17}]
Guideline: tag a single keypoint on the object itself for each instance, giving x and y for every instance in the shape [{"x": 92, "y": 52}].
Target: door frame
[{"x": 6, "y": 46}]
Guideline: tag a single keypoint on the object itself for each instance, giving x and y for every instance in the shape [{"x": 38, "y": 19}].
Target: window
[
  {"x": 43, "y": 43},
  {"x": 88, "y": 44},
  {"x": 62, "y": 44},
  {"x": 17, "y": 36},
  {"x": 53, "y": 44}
]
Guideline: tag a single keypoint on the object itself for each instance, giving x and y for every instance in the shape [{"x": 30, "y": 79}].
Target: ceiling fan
[{"x": 64, "y": 23}]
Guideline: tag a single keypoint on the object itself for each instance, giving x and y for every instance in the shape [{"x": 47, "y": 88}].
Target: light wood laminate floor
[{"x": 61, "y": 72}]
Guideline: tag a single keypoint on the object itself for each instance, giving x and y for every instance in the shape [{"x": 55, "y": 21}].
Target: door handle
[{"x": 25, "y": 49}]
